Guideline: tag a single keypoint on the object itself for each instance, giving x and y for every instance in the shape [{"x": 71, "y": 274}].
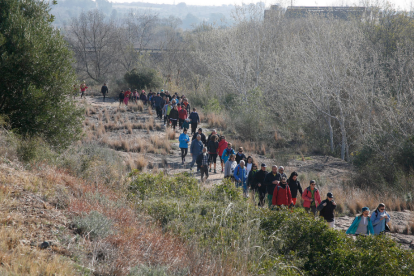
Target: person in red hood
[
  {"x": 182, "y": 115},
  {"x": 282, "y": 194},
  {"x": 222, "y": 146}
]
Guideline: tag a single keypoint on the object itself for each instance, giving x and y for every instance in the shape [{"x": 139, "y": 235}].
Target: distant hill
[{"x": 189, "y": 15}]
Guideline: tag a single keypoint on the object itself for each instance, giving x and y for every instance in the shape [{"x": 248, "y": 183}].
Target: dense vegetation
[
  {"x": 259, "y": 241},
  {"x": 36, "y": 77}
]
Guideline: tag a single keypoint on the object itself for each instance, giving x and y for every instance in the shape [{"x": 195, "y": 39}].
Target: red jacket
[
  {"x": 282, "y": 196},
  {"x": 182, "y": 114},
  {"x": 222, "y": 146},
  {"x": 307, "y": 197}
]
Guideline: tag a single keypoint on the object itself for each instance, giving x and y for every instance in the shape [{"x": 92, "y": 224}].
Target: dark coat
[
  {"x": 327, "y": 212},
  {"x": 251, "y": 180},
  {"x": 104, "y": 89},
  {"x": 194, "y": 117},
  {"x": 174, "y": 114},
  {"x": 203, "y": 137},
  {"x": 240, "y": 157},
  {"x": 270, "y": 177},
  {"x": 260, "y": 178},
  {"x": 199, "y": 160},
  {"x": 212, "y": 147},
  {"x": 294, "y": 187}
]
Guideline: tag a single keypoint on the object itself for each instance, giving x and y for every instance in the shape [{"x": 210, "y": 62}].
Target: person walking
[
  {"x": 282, "y": 171},
  {"x": 327, "y": 210},
  {"x": 240, "y": 155},
  {"x": 83, "y": 88},
  {"x": 249, "y": 164},
  {"x": 174, "y": 117},
  {"x": 195, "y": 120},
  {"x": 182, "y": 116},
  {"x": 75, "y": 90},
  {"x": 379, "y": 219},
  {"x": 222, "y": 146},
  {"x": 169, "y": 108},
  {"x": 195, "y": 149},
  {"x": 164, "y": 112},
  {"x": 261, "y": 186},
  {"x": 203, "y": 160},
  {"x": 184, "y": 140},
  {"x": 213, "y": 132},
  {"x": 362, "y": 224},
  {"x": 282, "y": 195},
  {"x": 104, "y": 91},
  {"x": 213, "y": 150},
  {"x": 121, "y": 98},
  {"x": 230, "y": 166},
  {"x": 158, "y": 103},
  {"x": 311, "y": 198},
  {"x": 271, "y": 181},
  {"x": 127, "y": 94},
  {"x": 227, "y": 152},
  {"x": 251, "y": 180},
  {"x": 203, "y": 137},
  {"x": 294, "y": 186},
  {"x": 143, "y": 97},
  {"x": 240, "y": 177},
  {"x": 186, "y": 124}
]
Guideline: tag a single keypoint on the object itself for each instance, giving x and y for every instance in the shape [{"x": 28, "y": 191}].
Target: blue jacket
[
  {"x": 196, "y": 147},
  {"x": 240, "y": 173},
  {"x": 184, "y": 139},
  {"x": 354, "y": 226},
  {"x": 379, "y": 225},
  {"x": 226, "y": 155},
  {"x": 194, "y": 117}
]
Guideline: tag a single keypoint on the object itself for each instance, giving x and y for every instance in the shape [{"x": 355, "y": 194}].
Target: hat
[
  {"x": 264, "y": 165},
  {"x": 162, "y": 90},
  {"x": 365, "y": 209},
  {"x": 330, "y": 195}
]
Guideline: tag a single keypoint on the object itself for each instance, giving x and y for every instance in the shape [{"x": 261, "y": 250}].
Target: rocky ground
[{"x": 329, "y": 171}]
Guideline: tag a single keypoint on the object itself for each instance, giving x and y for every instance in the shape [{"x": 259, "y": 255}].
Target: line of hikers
[{"x": 274, "y": 187}]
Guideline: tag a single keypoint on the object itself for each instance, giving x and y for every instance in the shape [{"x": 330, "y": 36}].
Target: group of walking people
[{"x": 273, "y": 187}]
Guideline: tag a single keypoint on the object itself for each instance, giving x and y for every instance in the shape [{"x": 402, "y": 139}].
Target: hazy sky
[{"x": 399, "y": 4}]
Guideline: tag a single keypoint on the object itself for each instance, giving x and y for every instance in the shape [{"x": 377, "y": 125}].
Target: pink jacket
[{"x": 307, "y": 198}]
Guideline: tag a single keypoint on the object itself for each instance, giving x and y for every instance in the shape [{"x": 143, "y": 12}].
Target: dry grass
[
  {"x": 107, "y": 117},
  {"x": 150, "y": 112},
  {"x": 160, "y": 143},
  {"x": 217, "y": 121},
  {"x": 149, "y": 124},
  {"x": 101, "y": 130},
  {"x": 411, "y": 226},
  {"x": 128, "y": 126},
  {"x": 141, "y": 162},
  {"x": 170, "y": 134},
  {"x": 19, "y": 259}
]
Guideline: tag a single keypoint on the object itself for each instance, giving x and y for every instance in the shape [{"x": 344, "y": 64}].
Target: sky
[{"x": 398, "y": 4}]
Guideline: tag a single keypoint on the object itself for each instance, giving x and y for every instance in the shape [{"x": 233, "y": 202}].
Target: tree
[
  {"x": 143, "y": 78},
  {"x": 36, "y": 75},
  {"x": 93, "y": 40}
]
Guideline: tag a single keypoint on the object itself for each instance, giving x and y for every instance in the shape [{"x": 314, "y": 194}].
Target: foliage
[
  {"x": 282, "y": 242},
  {"x": 37, "y": 76},
  {"x": 144, "y": 78},
  {"x": 94, "y": 225}
]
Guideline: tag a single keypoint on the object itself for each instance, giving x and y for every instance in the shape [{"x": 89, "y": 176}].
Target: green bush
[
  {"x": 259, "y": 240},
  {"x": 94, "y": 225},
  {"x": 144, "y": 78},
  {"x": 37, "y": 76}
]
